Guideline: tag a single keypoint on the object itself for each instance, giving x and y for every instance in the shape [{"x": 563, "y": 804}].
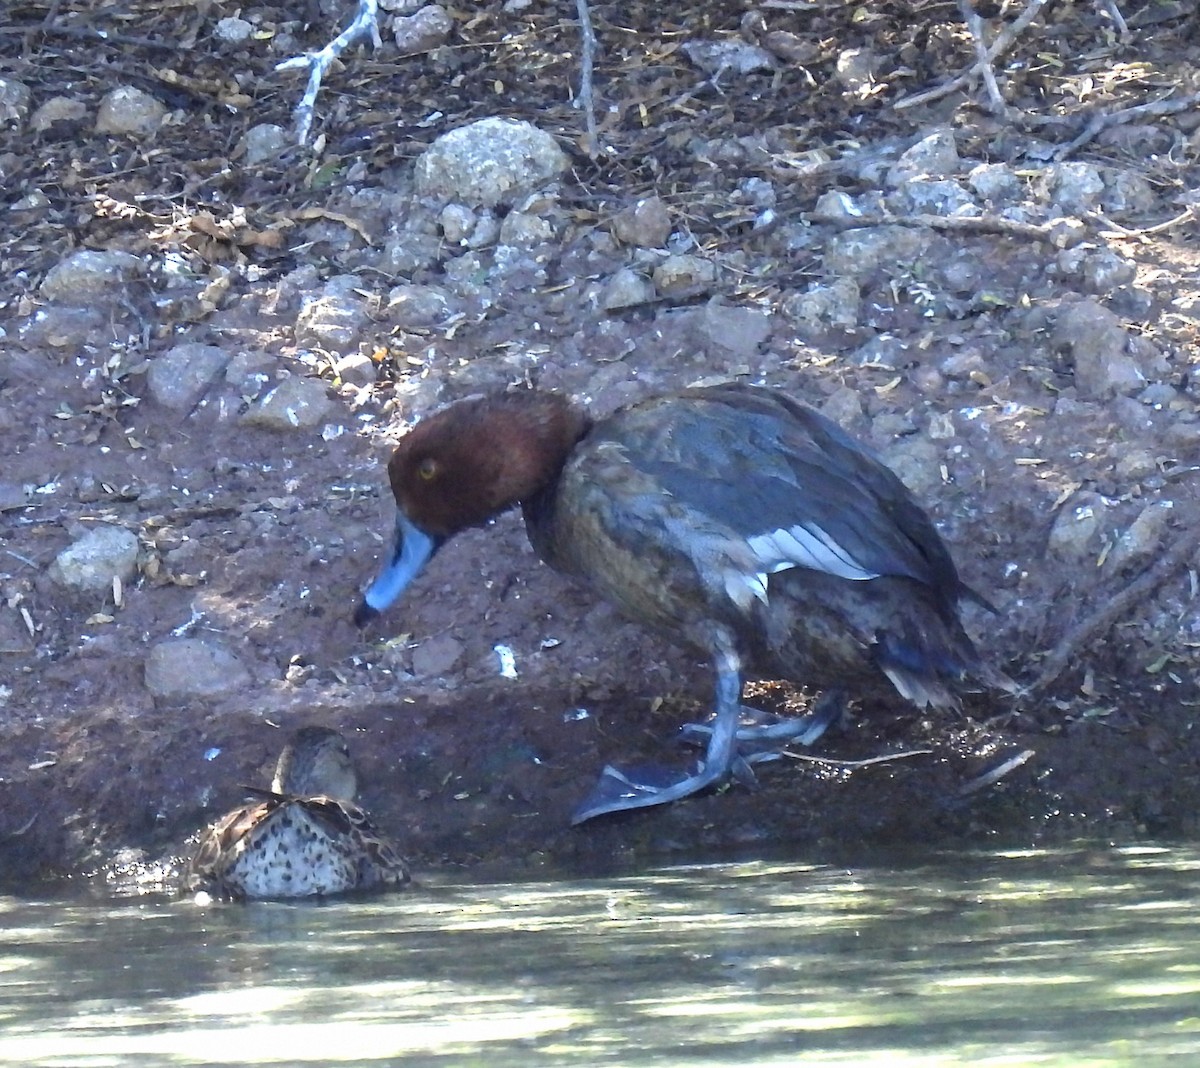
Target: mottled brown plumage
[{"x": 304, "y": 837}]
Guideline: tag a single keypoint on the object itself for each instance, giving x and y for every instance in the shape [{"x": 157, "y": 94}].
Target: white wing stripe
[{"x": 807, "y": 547}]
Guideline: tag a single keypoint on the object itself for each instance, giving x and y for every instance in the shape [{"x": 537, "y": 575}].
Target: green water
[{"x": 1085, "y": 957}]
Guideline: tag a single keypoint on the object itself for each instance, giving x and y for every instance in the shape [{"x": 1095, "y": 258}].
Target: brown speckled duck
[
  {"x": 731, "y": 517},
  {"x": 305, "y": 837}
]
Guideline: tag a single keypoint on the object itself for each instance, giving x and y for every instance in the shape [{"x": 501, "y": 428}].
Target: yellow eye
[{"x": 427, "y": 469}]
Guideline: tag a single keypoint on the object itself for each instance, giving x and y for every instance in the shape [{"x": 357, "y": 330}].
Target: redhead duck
[
  {"x": 731, "y": 517},
  {"x": 304, "y": 838}
]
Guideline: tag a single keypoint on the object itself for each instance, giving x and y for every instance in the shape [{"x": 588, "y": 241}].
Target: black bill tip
[{"x": 364, "y": 614}]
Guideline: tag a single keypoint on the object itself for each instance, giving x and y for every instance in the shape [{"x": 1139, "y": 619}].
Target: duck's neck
[{"x": 544, "y": 429}]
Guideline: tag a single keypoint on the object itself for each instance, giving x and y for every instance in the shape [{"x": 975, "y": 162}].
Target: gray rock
[
  {"x": 61, "y": 327},
  {"x": 86, "y": 274},
  {"x": 485, "y": 232},
  {"x": 1104, "y": 271},
  {"x": 732, "y": 56},
  {"x": 249, "y": 371},
  {"x": 179, "y": 377},
  {"x": 92, "y": 562},
  {"x": 1066, "y": 233},
  {"x": 457, "y": 221},
  {"x": 824, "y": 306},
  {"x": 964, "y": 273},
  {"x": 191, "y": 667},
  {"x": 127, "y": 110},
  {"x": 58, "y": 109},
  {"x": 1159, "y": 395},
  {"x": 996, "y": 183},
  {"x": 855, "y": 69},
  {"x": 423, "y": 30},
  {"x": 14, "y": 639},
  {"x": 791, "y": 47},
  {"x": 414, "y": 306},
  {"x": 684, "y": 275},
  {"x": 358, "y": 369},
  {"x": 1074, "y": 534},
  {"x": 1145, "y": 534},
  {"x": 932, "y": 196},
  {"x": 844, "y": 406},
  {"x": 489, "y": 162},
  {"x": 1127, "y": 191},
  {"x": 756, "y": 191},
  {"x": 835, "y": 204},
  {"x": 295, "y": 404},
  {"x": 1133, "y": 465},
  {"x": 523, "y": 230},
  {"x": 410, "y": 251},
  {"x": 233, "y": 30},
  {"x": 646, "y": 224},
  {"x": 934, "y": 156},
  {"x": 626, "y": 289},
  {"x": 866, "y": 251},
  {"x": 886, "y": 350},
  {"x": 941, "y": 426},
  {"x": 1096, "y": 343},
  {"x": 14, "y": 102},
  {"x": 1132, "y": 414},
  {"x": 1072, "y": 187},
  {"x": 13, "y": 495},
  {"x": 263, "y": 143},
  {"x": 917, "y": 462},
  {"x": 738, "y": 332},
  {"x": 1184, "y": 433},
  {"x": 436, "y": 656},
  {"x": 335, "y": 320}
]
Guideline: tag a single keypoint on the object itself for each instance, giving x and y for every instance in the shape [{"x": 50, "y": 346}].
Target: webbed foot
[
  {"x": 641, "y": 787},
  {"x": 760, "y": 741},
  {"x": 730, "y": 753}
]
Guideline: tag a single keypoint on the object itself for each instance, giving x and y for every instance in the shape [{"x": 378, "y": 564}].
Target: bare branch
[
  {"x": 1003, "y": 42},
  {"x": 1164, "y": 106},
  {"x": 587, "y": 60},
  {"x": 365, "y": 22},
  {"x": 1090, "y": 629},
  {"x": 982, "y": 63}
]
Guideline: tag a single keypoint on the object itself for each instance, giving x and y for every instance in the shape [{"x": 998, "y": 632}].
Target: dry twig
[
  {"x": 1003, "y": 42},
  {"x": 1114, "y": 13},
  {"x": 365, "y": 22},
  {"x": 1165, "y": 106},
  {"x": 586, "y": 63},
  {"x": 982, "y": 63},
  {"x": 997, "y": 773},
  {"x": 835, "y": 763},
  {"x": 1093, "y": 626},
  {"x": 1059, "y": 232},
  {"x": 1117, "y": 232}
]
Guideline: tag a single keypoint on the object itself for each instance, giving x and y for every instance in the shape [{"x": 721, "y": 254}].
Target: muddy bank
[{"x": 205, "y": 362}]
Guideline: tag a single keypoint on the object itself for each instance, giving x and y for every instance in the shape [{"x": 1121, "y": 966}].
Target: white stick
[{"x": 366, "y": 21}]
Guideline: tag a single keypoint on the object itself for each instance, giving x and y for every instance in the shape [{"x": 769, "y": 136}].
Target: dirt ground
[{"x": 261, "y": 538}]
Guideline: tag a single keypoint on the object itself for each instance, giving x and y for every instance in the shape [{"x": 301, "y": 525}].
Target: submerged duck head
[
  {"x": 304, "y": 837},
  {"x": 316, "y": 763},
  {"x": 462, "y": 466}
]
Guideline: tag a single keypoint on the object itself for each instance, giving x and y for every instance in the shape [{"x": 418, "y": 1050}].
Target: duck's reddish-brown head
[
  {"x": 473, "y": 460},
  {"x": 464, "y": 465}
]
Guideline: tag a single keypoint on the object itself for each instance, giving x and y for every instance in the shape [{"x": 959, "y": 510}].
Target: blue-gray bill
[{"x": 411, "y": 550}]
